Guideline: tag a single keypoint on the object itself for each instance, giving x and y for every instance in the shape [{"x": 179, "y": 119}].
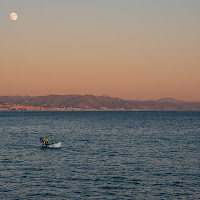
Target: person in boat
[
  {"x": 46, "y": 141},
  {"x": 41, "y": 139}
]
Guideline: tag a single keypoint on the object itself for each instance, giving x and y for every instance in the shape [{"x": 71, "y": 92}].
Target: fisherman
[
  {"x": 41, "y": 139},
  {"x": 46, "y": 141}
]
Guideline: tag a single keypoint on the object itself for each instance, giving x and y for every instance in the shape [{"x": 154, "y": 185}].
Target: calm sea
[{"x": 104, "y": 155}]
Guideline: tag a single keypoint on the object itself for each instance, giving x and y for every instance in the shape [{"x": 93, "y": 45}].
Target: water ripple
[{"x": 105, "y": 155}]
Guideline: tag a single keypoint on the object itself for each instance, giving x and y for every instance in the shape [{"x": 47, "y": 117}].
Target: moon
[{"x": 13, "y": 16}]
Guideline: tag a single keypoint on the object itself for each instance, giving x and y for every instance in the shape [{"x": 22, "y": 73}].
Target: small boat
[
  {"x": 53, "y": 145},
  {"x": 50, "y": 145}
]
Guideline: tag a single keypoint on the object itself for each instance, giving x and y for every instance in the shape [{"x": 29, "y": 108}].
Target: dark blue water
[{"x": 104, "y": 155}]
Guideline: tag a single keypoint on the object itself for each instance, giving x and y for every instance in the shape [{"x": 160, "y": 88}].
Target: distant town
[
  {"x": 90, "y": 102},
  {"x": 17, "y": 107}
]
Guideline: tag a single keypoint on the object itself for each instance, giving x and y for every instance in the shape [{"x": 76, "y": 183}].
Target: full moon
[{"x": 13, "y": 16}]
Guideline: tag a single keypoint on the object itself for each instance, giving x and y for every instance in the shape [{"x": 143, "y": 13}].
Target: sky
[{"x": 132, "y": 49}]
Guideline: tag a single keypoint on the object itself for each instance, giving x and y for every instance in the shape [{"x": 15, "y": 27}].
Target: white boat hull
[
  {"x": 53, "y": 146},
  {"x": 56, "y": 145}
]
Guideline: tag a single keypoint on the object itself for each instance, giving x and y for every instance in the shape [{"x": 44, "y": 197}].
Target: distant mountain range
[{"x": 85, "y": 102}]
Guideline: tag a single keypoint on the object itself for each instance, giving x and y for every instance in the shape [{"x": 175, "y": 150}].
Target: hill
[{"x": 91, "y": 102}]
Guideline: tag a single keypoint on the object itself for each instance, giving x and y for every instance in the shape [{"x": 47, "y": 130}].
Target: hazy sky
[{"x": 133, "y": 49}]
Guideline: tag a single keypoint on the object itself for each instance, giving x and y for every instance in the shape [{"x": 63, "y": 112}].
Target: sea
[{"x": 104, "y": 155}]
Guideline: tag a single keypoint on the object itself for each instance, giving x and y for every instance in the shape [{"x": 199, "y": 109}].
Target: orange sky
[{"x": 126, "y": 49}]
